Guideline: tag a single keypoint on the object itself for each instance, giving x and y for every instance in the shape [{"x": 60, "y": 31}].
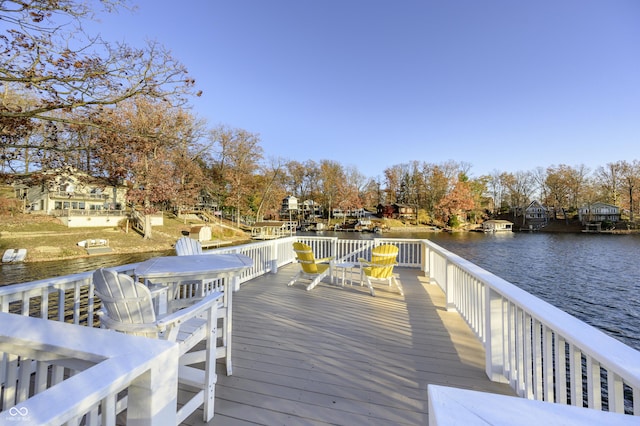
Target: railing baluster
[
  {"x": 594, "y": 396},
  {"x": 537, "y": 360},
  {"x": 520, "y": 351},
  {"x": 615, "y": 393},
  {"x": 527, "y": 366},
  {"x": 9, "y": 393},
  {"x": 547, "y": 360},
  {"x": 575, "y": 372},
  {"x": 561, "y": 369},
  {"x": 509, "y": 351}
]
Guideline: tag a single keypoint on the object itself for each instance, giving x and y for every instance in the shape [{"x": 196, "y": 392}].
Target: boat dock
[
  {"x": 336, "y": 355},
  {"x": 457, "y": 347}
]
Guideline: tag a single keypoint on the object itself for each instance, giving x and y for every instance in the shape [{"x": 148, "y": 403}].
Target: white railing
[
  {"x": 542, "y": 352},
  {"x": 451, "y": 406},
  {"x": 55, "y": 373}
]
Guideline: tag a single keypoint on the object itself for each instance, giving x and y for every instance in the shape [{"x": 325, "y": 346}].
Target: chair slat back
[
  {"x": 306, "y": 258},
  {"x": 124, "y": 300},
  {"x": 383, "y": 259},
  {"x": 186, "y": 246}
]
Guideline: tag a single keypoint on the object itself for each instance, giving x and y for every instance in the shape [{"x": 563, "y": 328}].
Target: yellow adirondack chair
[
  {"x": 383, "y": 259},
  {"x": 310, "y": 267}
]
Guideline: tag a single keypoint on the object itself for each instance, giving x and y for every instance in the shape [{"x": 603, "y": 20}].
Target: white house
[
  {"x": 599, "y": 212},
  {"x": 75, "y": 197},
  {"x": 496, "y": 225},
  {"x": 311, "y": 209},
  {"x": 289, "y": 206}
]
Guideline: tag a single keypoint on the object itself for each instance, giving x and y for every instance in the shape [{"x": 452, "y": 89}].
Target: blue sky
[{"x": 500, "y": 84}]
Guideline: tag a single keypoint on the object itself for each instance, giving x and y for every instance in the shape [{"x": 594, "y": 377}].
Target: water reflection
[{"x": 14, "y": 273}]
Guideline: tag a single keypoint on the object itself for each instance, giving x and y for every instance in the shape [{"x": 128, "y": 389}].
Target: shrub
[{"x": 453, "y": 222}]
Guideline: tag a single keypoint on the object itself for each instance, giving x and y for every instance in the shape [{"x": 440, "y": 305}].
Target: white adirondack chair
[
  {"x": 186, "y": 246},
  {"x": 127, "y": 307}
]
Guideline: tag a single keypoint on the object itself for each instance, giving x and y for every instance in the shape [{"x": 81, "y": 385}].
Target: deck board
[{"x": 338, "y": 356}]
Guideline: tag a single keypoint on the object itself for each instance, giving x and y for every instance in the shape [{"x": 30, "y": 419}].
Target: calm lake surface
[{"x": 595, "y": 278}]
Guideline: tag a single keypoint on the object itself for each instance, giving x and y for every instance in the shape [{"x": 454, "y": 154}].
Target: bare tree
[
  {"x": 495, "y": 189},
  {"x": 520, "y": 187},
  {"x": 609, "y": 179},
  {"x": 630, "y": 173}
]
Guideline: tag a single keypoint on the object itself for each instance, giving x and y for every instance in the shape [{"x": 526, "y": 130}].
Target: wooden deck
[{"x": 339, "y": 356}]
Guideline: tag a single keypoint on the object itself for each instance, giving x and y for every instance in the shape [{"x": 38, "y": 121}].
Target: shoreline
[
  {"x": 43, "y": 254},
  {"x": 413, "y": 229},
  {"x": 57, "y": 242},
  {"x": 47, "y": 239}
]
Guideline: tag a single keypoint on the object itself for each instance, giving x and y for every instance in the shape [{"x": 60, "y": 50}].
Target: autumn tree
[
  {"x": 237, "y": 156},
  {"x": 141, "y": 142},
  {"x": 270, "y": 186},
  {"x": 295, "y": 177},
  {"x": 371, "y": 193},
  {"x": 630, "y": 173},
  {"x": 331, "y": 184},
  {"x": 52, "y": 67},
  {"x": 457, "y": 202},
  {"x": 558, "y": 189},
  {"x": 578, "y": 182},
  {"x": 303, "y": 179},
  {"x": 608, "y": 179},
  {"x": 478, "y": 188},
  {"x": 411, "y": 182},
  {"x": 393, "y": 177},
  {"x": 437, "y": 186},
  {"x": 349, "y": 189},
  {"x": 187, "y": 157}
]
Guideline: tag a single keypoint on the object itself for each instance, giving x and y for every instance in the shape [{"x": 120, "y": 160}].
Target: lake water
[
  {"x": 11, "y": 273},
  {"x": 595, "y": 278}
]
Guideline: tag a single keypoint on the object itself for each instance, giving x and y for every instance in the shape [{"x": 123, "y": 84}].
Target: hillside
[{"x": 45, "y": 238}]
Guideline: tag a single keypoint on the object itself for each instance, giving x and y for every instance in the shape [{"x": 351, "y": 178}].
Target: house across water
[
  {"x": 271, "y": 230},
  {"x": 496, "y": 225}
]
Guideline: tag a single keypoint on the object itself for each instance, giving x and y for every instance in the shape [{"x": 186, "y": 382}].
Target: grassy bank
[{"x": 45, "y": 238}]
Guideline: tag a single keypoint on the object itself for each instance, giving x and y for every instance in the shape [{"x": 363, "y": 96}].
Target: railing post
[
  {"x": 429, "y": 265},
  {"x": 152, "y": 397},
  {"x": 273, "y": 261},
  {"x": 334, "y": 247},
  {"x": 424, "y": 255},
  {"x": 494, "y": 345},
  {"x": 449, "y": 286}
]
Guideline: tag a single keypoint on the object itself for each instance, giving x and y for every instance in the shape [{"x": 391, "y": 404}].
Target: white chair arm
[
  {"x": 128, "y": 327},
  {"x": 190, "y": 312}
]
